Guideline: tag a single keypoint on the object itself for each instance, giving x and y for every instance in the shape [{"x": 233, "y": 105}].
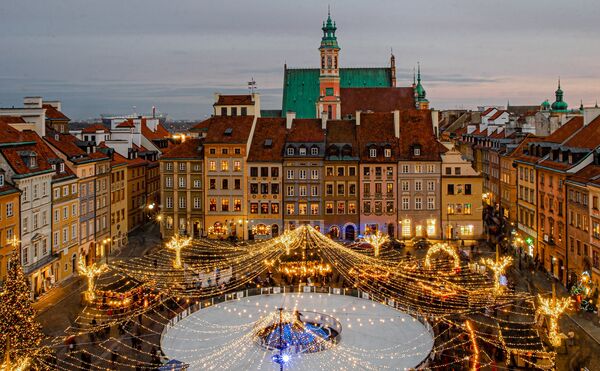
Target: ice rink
[{"x": 374, "y": 336}]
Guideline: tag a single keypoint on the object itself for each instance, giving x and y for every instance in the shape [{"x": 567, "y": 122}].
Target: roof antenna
[{"x": 252, "y": 85}]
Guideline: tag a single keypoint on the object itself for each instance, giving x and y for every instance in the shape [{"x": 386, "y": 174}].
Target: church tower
[
  {"x": 420, "y": 94},
  {"x": 329, "y": 103}
]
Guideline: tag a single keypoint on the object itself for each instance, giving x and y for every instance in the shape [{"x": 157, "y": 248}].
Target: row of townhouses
[
  {"x": 255, "y": 177},
  {"x": 541, "y": 181},
  {"x": 66, "y": 195}
]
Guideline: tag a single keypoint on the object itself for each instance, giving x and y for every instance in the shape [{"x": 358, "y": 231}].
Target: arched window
[
  {"x": 329, "y": 62},
  {"x": 333, "y": 150},
  {"x": 347, "y": 150}
]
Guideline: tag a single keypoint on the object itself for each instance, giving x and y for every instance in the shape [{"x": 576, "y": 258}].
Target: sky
[{"x": 124, "y": 56}]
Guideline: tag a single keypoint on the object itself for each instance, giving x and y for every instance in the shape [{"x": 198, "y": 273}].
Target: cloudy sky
[{"x": 111, "y": 55}]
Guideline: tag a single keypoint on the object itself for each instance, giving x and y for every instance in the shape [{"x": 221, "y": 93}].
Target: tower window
[
  {"x": 329, "y": 91},
  {"x": 329, "y": 62}
]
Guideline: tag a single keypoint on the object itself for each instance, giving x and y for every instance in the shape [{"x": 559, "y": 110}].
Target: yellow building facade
[
  {"x": 65, "y": 225},
  {"x": 118, "y": 202},
  {"x": 9, "y": 224}
]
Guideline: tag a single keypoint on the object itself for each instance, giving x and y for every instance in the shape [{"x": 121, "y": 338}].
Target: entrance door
[
  {"x": 390, "y": 229},
  {"x": 73, "y": 263},
  {"x": 350, "y": 233},
  {"x": 274, "y": 230},
  {"x": 196, "y": 229},
  {"x": 334, "y": 231}
]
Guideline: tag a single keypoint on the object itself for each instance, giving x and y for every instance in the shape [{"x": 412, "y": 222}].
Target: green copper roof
[
  {"x": 420, "y": 90},
  {"x": 301, "y": 86},
  {"x": 545, "y": 105},
  {"x": 559, "y": 105}
]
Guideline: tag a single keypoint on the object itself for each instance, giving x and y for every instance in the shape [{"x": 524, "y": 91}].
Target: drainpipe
[{"x": 566, "y": 234}]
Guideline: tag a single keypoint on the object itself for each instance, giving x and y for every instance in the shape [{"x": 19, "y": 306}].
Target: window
[
  {"x": 73, "y": 231},
  {"x": 340, "y": 171},
  {"x": 418, "y": 185},
  {"x": 224, "y": 151},
  {"x": 377, "y": 188},
  {"x": 448, "y": 171},
  {"x": 367, "y": 207},
  {"x": 378, "y": 171},
  {"x": 169, "y": 182},
  {"x": 314, "y": 191},
  {"x": 418, "y": 203},
  {"x": 450, "y": 189},
  {"x": 302, "y": 209},
  {"x": 352, "y": 171},
  {"x": 182, "y": 202},
  {"x": 254, "y": 208},
  {"x": 341, "y": 188},
  {"x": 389, "y": 188},
  {"x": 9, "y": 209},
  {"x": 290, "y": 191},
  {"x": 73, "y": 188},
  {"x": 367, "y": 189},
  {"x": 212, "y": 184},
  {"x": 290, "y": 174},
  {"x": 274, "y": 172},
  {"x": 237, "y": 151},
  {"x": 197, "y": 203},
  {"x": 418, "y": 168},
  {"x": 378, "y": 207},
  {"x": 351, "y": 207},
  {"x": 367, "y": 171},
  {"x": 457, "y": 170},
  {"x": 169, "y": 202},
  {"x": 329, "y": 207},
  {"x": 237, "y": 166},
  {"x": 387, "y": 152},
  {"x": 264, "y": 188},
  {"x": 373, "y": 152},
  {"x": 224, "y": 183},
  {"x": 55, "y": 239},
  {"x": 405, "y": 170},
  {"x": 290, "y": 209},
  {"x": 417, "y": 151},
  {"x": 65, "y": 212},
  {"x": 169, "y": 166},
  {"x": 212, "y": 166},
  {"x": 467, "y": 189},
  {"x": 254, "y": 171},
  {"x": 182, "y": 166},
  {"x": 431, "y": 185},
  {"x": 302, "y": 191},
  {"x": 181, "y": 182},
  {"x": 290, "y": 151},
  {"x": 314, "y": 151},
  {"x": 405, "y": 186},
  {"x": 430, "y": 203},
  {"x": 302, "y": 174},
  {"x": 302, "y": 151},
  {"x": 56, "y": 215},
  {"x": 56, "y": 193},
  {"x": 467, "y": 209},
  {"x": 329, "y": 189},
  {"x": 352, "y": 189},
  {"x": 314, "y": 174},
  {"x": 275, "y": 188},
  {"x": 405, "y": 203},
  {"x": 389, "y": 207},
  {"x": 237, "y": 205},
  {"x": 275, "y": 208},
  {"x": 225, "y": 204},
  {"x": 212, "y": 151},
  {"x": 224, "y": 165},
  {"x": 314, "y": 209},
  {"x": 341, "y": 207},
  {"x": 223, "y": 111},
  {"x": 35, "y": 191},
  {"x": 244, "y": 111},
  {"x": 197, "y": 183}
]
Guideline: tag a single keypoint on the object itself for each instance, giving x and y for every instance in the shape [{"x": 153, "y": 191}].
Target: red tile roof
[
  {"x": 416, "y": 128},
  {"x": 268, "y": 129},
  {"x": 564, "y": 132},
  {"x": 49, "y": 154},
  {"x": 67, "y": 144},
  {"x": 191, "y": 148},
  {"x": 93, "y": 128},
  {"x": 496, "y": 115},
  {"x": 586, "y": 174},
  {"x": 587, "y": 137},
  {"x": 13, "y": 154},
  {"x": 12, "y": 120},
  {"x": 377, "y": 129},
  {"x": 235, "y": 100},
  {"x": 343, "y": 132},
  {"x": 12, "y": 135},
  {"x": 376, "y": 99},
  {"x": 54, "y": 114},
  {"x": 159, "y": 133},
  {"x": 306, "y": 130},
  {"x": 240, "y": 129},
  {"x": 126, "y": 124},
  {"x": 487, "y": 111}
]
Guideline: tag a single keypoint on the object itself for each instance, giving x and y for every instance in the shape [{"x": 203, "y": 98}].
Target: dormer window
[
  {"x": 302, "y": 151},
  {"x": 268, "y": 143},
  {"x": 387, "y": 152},
  {"x": 62, "y": 167},
  {"x": 290, "y": 151},
  {"x": 1, "y": 180},
  {"x": 314, "y": 150},
  {"x": 373, "y": 152},
  {"x": 417, "y": 150}
]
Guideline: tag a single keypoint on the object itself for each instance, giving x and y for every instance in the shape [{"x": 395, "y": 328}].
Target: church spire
[{"x": 421, "y": 95}]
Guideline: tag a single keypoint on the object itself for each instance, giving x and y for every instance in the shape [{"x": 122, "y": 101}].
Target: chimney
[
  {"x": 323, "y": 122},
  {"x": 396, "y": 123},
  {"x": 435, "y": 120},
  {"x": 217, "y": 95},
  {"x": 289, "y": 117},
  {"x": 357, "y": 115},
  {"x": 32, "y": 102},
  {"x": 256, "y": 100},
  {"x": 590, "y": 114}
]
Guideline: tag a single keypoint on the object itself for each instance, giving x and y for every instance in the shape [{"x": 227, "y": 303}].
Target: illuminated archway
[{"x": 442, "y": 247}]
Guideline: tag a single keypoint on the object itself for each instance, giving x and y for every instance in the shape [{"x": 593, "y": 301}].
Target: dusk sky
[{"x": 108, "y": 56}]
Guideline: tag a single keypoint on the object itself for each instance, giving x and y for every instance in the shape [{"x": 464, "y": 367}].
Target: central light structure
[
  {"x": 497, "y": 267},
  {"x": 553, "y": 308},
  {"x": 91, "y": 272},
  {"x": 442, "y": 247},
  {"x": 376, "y": 240},
  {"x": 177, "y": 244}
]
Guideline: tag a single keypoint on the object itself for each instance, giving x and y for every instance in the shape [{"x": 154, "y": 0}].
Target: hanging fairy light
[
  {"x": 176, "y": 244},
  {"x": 261, "y": 230},
  {"x": 498, "y": 267},
  {"x": 91, "y": 272},
  {"x": 218, "y": 229},
  {"x": 376, "y": 240}
]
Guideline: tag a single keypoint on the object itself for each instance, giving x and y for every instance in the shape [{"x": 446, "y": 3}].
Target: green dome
[
  {"x": 419, "y": 89},
  {"x": 545, "y": 105},
  {"x": 329, "y": 40},
  {"x": 559, "y": 105}
]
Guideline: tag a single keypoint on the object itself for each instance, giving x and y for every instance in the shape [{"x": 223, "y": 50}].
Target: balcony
[{"x": 49, "y": 259}]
